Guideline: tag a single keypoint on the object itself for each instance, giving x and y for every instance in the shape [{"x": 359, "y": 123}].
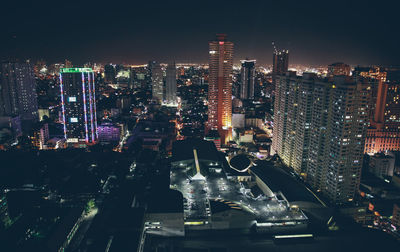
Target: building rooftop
[
  {"x": 76, "y": 70},
  {"x": 279, "y": 180},
  {"x": 170, "y": 201},
  {"x": 183, "y": 150},
  {"x": 216, "y": 186},
  {"x": 240, "y": 162},
  {"x": 64, "y": 228},
  {"x": 218, "y": 206}
]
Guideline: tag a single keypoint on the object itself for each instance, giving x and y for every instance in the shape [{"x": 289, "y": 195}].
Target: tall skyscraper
[
  {"x": 157, "y": 82},
  {"x": 18, "y": 91},
  {"x": 170, "y": 92},
  {"x": 384, "y": 131},
  {"x": 319, "y": 130},
  {"x": 78, "y": 100},
  {"x": 280, "y": 62},
  {"x": 109, "y": 73},
  {"x": 220, "y": 87},
  {"x": 248, "y": 74},
  {"x": 338, "y": 68}
]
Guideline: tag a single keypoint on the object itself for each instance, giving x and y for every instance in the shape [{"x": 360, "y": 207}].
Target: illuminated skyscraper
[
  {"x": 170, "y": 87},
  {"x": 18, "y": 91},
  {"x": 220, "y": 87},
  {"x": 248, "y": 73},
  {"x": 157, "y": 82},
  {"x": 319, "y": 130},
  {"x": 78, "y": 100}
]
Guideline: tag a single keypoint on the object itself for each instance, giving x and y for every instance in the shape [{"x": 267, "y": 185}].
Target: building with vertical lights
[
  {"x": 248, "y": 74},
  {"x": 18, "y": 91},
  {"x": 220, "y": 87},
  {"x": 78, "y": 100},
  {"x": 338, "y": 68},
  {"x": 170, "y": 86},
  {"x": 157, "y": 82},
  {"x": 319, "y": 130},
  {"x": 384, "y": 131}
]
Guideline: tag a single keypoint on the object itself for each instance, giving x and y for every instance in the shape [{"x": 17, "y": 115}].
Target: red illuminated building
[{"x": 220, "y": 87}]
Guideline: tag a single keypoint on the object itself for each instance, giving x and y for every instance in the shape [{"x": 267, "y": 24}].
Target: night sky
[{"x": 355, "y": 32}]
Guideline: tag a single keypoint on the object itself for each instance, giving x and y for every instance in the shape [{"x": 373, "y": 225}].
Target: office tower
[
  {"x": 131, "y": 78},
  {"x": 220, "y": 87},
  {"x": 383, "y": 134},
  {"x": 170, "y": 92},
  {"x": 78, "y": 100},
  {"x": 338, "y": 68},
  {"x": 280, "y": 63},
  {"x": 319, "y": 130},
  {"x": 157, "y": 82},
  {"x": 248, "y": 74},
  {"x": 18, "y": 91},
  {"x": 109, "y": 73}
]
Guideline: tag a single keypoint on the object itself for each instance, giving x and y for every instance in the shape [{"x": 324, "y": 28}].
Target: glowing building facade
[
  {"x": 78, "y": 100},
  {"x": 220, "y": 87},
  {"x": 319, "y": 130}
]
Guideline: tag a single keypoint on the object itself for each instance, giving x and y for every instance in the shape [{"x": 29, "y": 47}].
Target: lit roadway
[
  {"x": 83, "y": 228},
  {"x": 198, "y": 193}
]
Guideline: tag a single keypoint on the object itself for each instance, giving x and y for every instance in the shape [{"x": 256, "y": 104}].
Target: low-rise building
[
  {"x": 381, "y": 165},
  {"x": 108, "y": 132},
  {"x": 40, "y": 136}
]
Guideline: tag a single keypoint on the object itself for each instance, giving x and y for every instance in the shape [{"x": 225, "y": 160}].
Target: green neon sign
[{"x": 76, "y": 70}]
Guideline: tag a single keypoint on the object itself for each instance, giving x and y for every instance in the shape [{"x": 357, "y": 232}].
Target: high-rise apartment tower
[
  {"x": 220, "y": 87},
  {"x": 78, "y": 100}
]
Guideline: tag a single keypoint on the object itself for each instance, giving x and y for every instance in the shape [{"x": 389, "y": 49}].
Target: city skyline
[
  {"x": 120, "y": 130},
  {"x": 132, "y": 32}
]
